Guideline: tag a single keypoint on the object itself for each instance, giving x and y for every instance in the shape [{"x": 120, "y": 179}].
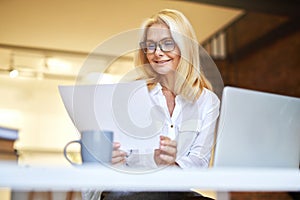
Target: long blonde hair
[{"x": 190, "y": 80}]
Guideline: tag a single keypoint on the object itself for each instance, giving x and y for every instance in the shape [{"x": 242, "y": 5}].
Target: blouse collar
[{"x": 156, "y": 89}]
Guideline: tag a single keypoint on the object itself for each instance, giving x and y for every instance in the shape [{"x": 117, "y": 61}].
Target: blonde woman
[{"x": 169, "y": 59}]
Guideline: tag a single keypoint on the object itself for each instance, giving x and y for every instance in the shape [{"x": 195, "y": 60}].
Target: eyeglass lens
[{"x": 165, "y": 45}]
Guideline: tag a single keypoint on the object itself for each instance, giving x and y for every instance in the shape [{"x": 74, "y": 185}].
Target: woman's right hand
[{"x": 118, "y": 156}]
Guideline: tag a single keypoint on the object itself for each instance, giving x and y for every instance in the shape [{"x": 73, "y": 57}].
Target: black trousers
[{"x": 152, "y": 196}]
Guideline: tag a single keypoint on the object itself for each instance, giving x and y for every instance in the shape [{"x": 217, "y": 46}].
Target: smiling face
[{"x": 162, "y": 62}]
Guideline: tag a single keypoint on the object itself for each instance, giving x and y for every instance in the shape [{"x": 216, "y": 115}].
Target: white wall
[{"x": 34, "y": 107}]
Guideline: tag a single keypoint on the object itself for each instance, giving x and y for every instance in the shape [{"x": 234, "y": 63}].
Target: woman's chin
[{"x": 163, "y": 70}]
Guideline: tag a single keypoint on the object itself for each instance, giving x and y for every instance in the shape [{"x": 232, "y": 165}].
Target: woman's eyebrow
[{"x": 160, "y": 39}]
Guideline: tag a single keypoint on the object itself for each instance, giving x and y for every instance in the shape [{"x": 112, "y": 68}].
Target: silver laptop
[{"x": 258, "y": 129}]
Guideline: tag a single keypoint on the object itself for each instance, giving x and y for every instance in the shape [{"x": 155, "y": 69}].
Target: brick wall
[{"x": 272, "y": 66}]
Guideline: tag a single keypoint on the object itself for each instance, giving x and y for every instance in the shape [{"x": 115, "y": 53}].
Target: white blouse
[{"x": 192, "y": 125}]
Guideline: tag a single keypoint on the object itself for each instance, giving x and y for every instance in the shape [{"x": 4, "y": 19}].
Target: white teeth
[{"x": 162, "y": 61}]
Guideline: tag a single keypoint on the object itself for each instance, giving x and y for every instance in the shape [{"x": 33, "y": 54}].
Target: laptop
[{"x": 257, "y": 129}]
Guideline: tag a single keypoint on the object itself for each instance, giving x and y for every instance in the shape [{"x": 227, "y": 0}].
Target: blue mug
[{"x": 96, "y": 147}]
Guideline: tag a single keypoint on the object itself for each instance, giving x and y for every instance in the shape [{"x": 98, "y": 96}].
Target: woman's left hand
[{"x": 166, "y": 154}]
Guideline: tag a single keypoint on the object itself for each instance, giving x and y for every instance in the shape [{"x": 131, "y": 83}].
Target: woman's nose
[{"x": 158, "y": 51}]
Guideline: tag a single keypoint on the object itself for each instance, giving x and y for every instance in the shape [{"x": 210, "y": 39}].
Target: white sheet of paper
[{"x": 124, "y": 108}]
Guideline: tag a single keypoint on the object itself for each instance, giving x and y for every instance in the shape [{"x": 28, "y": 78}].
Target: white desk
[{"x": 39, "y": 178}]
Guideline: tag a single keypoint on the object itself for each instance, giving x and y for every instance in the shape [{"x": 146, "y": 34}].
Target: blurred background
[{"x": 43, "y": 44}]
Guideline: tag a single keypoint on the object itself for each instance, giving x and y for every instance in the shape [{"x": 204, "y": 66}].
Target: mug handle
[{"x": 65, "y": 151}]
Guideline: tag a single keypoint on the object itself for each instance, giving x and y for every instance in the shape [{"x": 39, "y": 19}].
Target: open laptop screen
[{"x": 258, "y": 129}]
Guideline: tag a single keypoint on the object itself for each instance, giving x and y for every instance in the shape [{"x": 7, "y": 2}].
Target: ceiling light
[
  {"x": 58, "y": 65},
  {"x": 13, "y": 73}
]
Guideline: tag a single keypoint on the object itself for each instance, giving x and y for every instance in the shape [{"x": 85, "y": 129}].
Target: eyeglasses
[{"x": 165, "y": 45}]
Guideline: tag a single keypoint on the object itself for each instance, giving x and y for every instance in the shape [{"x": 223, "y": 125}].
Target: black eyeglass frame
[{"x": 143, "y": 45}]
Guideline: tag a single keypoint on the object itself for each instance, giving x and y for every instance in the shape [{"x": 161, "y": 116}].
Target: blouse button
[{"x": 171, "y": 126}]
